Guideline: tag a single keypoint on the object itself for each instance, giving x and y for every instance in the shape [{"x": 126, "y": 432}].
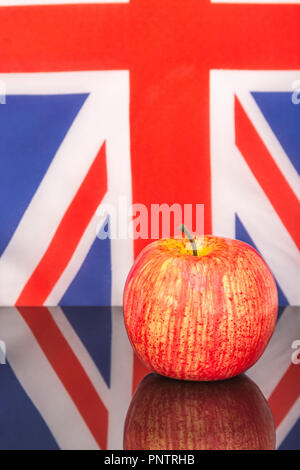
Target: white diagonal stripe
[
  {"x": 274, "y": 147},
  {"x": 115, "y": 123},
  {"x": 234, "y": 187},
  {"x": 68, "y": 168}
]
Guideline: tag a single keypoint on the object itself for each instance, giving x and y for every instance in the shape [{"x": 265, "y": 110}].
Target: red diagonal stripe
[
  {"x": 285, "y": 394},
  {"x": 68, "y": 234},
  {"x": 267, "y": 173},
  {"x": 69, "y": 370}
]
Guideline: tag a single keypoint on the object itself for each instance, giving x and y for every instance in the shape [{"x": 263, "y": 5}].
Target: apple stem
[{"x": 188, "y": 234}]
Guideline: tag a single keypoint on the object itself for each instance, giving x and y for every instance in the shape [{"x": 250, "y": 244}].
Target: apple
[
  {"x": 167, "y": 414},
  {"x": 200, "y": 308}
]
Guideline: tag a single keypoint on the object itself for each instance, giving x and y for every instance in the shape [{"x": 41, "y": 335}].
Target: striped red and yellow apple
[
  {"x": 205, "y": 313},
  {"x": 167, "y": 414}
]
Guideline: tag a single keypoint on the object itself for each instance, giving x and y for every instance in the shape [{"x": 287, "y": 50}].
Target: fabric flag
[
  {"x": 145, "y": 102},
  {"x": 114, "y": 103}
]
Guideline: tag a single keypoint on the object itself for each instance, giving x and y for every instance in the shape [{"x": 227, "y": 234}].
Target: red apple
[
  {"x": 203, "y": 317},
  {"x": 168, "y": 414}
]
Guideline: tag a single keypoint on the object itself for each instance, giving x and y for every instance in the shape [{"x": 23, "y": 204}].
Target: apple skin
[
  {"x": 167, "y": 414},
  {"x": 205, "y": 317}
]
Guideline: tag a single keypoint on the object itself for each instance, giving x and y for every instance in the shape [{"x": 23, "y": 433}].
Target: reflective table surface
[{"x": 68, "y": 377}]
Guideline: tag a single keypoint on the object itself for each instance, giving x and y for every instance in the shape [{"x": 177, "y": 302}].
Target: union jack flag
[{"x": 154, "y": 101}]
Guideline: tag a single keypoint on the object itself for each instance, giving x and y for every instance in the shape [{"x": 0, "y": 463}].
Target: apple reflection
[{"x": 167, "y": 414}]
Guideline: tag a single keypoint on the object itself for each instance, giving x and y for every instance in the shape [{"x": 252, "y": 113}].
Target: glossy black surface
[{"x": 67, "y": 376}]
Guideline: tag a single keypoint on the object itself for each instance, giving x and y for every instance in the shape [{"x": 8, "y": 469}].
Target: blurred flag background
[{"x": 151, "y": 102}]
